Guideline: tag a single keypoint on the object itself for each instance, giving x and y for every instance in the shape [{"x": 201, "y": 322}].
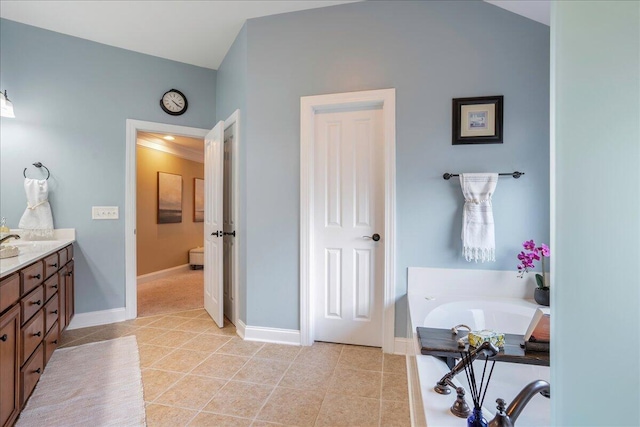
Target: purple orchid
[{"x": 534, "y": 253}]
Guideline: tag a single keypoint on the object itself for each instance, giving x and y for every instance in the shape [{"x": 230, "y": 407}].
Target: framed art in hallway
[
  {"x": 169, "y": 198},
  {"x": 477, "y": 120},
  {"x": 198, "y": 200}
]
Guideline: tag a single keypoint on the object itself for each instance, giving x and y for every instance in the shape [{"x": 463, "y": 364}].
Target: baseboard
[
  {"x": 240, "y": 328},
  {"x": 400, "y": 345},
  {"x": 95, "y": 318},
  {"x": 271, "y": 335},
  {"x": 161, "y": 274}
]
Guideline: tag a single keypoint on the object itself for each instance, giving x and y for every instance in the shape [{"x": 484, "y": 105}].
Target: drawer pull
[
  {"x": 55, "y": 286},
  {"x": 70, "y": 273},
  {"x": 55, "y": 265},
  {"x": 37, "y": 334},
  {"x": 37, "y": 302},
  {"x": 54, "y": 312},
  {"x": 4, "y": 338},
  {"x": 54, "y": 342},
  {"x": 37, "y": 371},
  {"x": 35, "y": 276}
]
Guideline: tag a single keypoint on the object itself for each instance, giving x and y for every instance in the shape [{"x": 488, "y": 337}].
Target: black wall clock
[{"x": 174, "y": 102}]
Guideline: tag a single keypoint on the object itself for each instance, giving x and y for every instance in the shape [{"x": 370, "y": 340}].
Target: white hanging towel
[
  {"x": 478, "y": 232},
  {"x": 37, "y": 221}
]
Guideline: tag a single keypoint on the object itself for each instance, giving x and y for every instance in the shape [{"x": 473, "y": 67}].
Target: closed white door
[
  {"x": 229, "y": 225},
  {"x": 213, "y": 219},
  {"x": 348, "y": 220}
]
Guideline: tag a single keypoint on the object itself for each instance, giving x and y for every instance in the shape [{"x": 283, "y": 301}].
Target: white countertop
[{"x": 32, "y": 250}]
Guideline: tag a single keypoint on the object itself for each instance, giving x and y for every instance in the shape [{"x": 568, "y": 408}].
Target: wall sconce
[{"x": 6, "y": 107}]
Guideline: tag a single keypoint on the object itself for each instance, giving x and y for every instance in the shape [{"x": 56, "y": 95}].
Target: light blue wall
[
  {"x": 430, "y": 52},
  {"x": 231, "y": 94},
  {"x": 72, "y": 98},
  {"x": 596, "y": 296}
]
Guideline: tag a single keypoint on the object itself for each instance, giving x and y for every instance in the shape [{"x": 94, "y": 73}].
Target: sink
[{"x": 9, "y": 251}]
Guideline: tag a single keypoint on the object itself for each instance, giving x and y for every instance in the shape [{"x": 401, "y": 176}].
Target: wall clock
[{"x": 174, "y": 102}]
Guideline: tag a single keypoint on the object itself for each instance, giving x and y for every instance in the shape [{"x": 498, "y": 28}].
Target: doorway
[
  {"x": 343, "y": 264},
  {"x": 133, "y": 128}
]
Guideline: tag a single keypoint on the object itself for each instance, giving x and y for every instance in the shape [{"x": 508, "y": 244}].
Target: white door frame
[
  {"x": 132, "y": 129},
  {"x": 309, "y": 106}
]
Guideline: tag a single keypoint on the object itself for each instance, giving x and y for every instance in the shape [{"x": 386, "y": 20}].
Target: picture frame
[
  {"x": 198, "y": 200},
  {"x": 169, "y": 198},
  {"x": 477, "y": 120}
]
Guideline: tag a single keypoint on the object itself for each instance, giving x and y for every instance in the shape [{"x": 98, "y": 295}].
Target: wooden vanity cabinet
[{"x": 36, "y": 305}]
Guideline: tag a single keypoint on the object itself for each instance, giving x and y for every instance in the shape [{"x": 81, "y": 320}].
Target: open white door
[{"x": 213, "y": 218}]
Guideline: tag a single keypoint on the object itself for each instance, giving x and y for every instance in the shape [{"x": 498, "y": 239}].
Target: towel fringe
[{"x": 482, "y": 254}]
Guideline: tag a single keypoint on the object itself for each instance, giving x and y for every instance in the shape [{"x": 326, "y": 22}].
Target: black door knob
[
  {"x": 217, "y": 234},
  {"x": 229, "y": 233},
  {"x": 375, "y": 237}
]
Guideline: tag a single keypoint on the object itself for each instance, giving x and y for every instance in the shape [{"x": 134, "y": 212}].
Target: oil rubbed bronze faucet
[
  {"x": 10, "y": 236},
  {"x": 508, "y": 418}
]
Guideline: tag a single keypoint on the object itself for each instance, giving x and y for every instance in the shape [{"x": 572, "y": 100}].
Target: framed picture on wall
[
  {"x": 169, "y": 198},
  {"x": 477, "y": 120},
  {"x": 198, "y": 200}
]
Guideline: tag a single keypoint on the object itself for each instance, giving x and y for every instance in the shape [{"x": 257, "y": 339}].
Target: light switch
[{"x": 104, "y": 212}]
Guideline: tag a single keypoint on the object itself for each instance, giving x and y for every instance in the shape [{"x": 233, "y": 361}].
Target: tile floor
[{"x": 196, "y": 374}]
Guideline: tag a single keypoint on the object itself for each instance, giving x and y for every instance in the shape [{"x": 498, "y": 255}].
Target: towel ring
[{"x": 38, "y": 165}]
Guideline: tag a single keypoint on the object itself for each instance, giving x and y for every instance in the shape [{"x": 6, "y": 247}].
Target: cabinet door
[
  {"x": 62, "y": 298},
  {"x": 69, "y": 292},
  {"x": 9, "y": 366}
]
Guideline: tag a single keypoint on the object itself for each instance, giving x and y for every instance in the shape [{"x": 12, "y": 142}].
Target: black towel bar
[{"x": 515, "y": 174}]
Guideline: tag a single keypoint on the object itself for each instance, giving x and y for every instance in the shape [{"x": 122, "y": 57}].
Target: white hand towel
[
  {"x": 478, "y": 232},
  {"x": 37, "y": 221}
]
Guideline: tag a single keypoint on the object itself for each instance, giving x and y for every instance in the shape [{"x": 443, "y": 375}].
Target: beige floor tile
[
  {"x": 285, "y": 353},
  {"x": 206, "y": 342},
  {"x": 141, "y": 321},
  {"x": 395, "y": 387},
  {"x": 146, "y": 335},
  {"x": 394, "y": 363},
  {"x": 260, "y": 423},
  {"x": 156, "y": 382},
  {"x": 338, "y": 410},
  {"x": 292, "y": 407},
  {"x": 356, "y": 382},
  {"x": 191, "y": 391},
  {"x": 240, "y": 347},
  {"x": 206, "y": 419},
  {"x": 262, "y": 371},
  {"x": 75, "y": 334},
  {"x": 307, "y": 377},
  {"x": 355, "y": 357},
  {"x": 167, "y": 322},
  {"x": 395, "y": 414},
  {"x": 112, "y": 331},
  {"x": 181, "y": 360},
  {"x": 320, "y": 354},
  {"x": 149, "y": 354},
  {"x": 222, "y": 366},
  {"x": 166, "y": 416},
  {"x": 195, "y": 325},
  {"x": 172, "y": 338},
  {"x": 190, "y": 314},
  {"x": 239, "y": 399},
  {"x": 228, "y": 329},
  {"x": 85, "y": 340}
]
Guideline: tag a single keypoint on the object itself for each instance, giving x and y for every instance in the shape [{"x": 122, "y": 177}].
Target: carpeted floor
[{"x": 180, "y": 292}]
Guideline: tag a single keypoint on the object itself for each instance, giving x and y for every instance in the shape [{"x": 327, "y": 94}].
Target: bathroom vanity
[{"x": 36, "y": 305}]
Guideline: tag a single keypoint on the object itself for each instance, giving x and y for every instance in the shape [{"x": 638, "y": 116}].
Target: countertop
[{"x": 32, "y": 250}]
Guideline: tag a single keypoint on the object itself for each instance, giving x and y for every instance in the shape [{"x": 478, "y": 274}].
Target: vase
[
  {"x": 542, "y": 296},
  {"x": 476, "y": 419}
]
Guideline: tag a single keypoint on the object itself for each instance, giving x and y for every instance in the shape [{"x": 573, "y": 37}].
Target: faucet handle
[{"x": 501, "y": 405}]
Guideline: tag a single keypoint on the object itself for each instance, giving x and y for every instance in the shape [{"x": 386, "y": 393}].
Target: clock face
[{"x": 174, "y": 102}]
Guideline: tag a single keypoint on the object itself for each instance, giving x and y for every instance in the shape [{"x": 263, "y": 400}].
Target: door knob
[
  {"x": 229, "y": 233},
  {"x": 217, "y": 234},
  {"x": 375, "y": 237}
]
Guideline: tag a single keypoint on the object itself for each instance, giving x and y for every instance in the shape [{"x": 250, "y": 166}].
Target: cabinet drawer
[
  {"x": 32, "y": 276},
  {"x": 31, "y": 303},
  {"x": 9, "y": 291},
  {"x": 62, "y": 256},
  {"x": 30, "y": 373},
  {"x": 51, "y": 313},
  {"x": 51, "y": 286},
  {"x": 50, "y": 342},
  {"x": 51, "y": 264},
  {"x": 69, "y": 253},
  {"x": 32, "y": 335}
]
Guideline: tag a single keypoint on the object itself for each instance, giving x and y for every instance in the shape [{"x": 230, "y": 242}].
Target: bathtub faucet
[
  {"x": 10, "y": 236},
  {"x": 486, "y": 348},
  {"x": 508, "y": 418}
]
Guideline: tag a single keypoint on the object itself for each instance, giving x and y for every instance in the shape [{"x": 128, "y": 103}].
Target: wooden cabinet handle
[
  {"x": 37, "y": 334},
  {"x": 37, "y": 371},
  {"x": 4, "y": 338},
  {"x": 37, "y": 302},
  {"x": 35, "y": 276}
]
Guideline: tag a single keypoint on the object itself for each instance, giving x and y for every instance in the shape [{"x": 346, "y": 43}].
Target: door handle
[
  {"x": 375, "y": 237},
  {"x": 217, "y": 233},
  {"x": 229, "y": 233}
]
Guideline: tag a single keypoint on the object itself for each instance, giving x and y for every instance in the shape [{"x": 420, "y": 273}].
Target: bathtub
[{"x": 444, "y": 309}]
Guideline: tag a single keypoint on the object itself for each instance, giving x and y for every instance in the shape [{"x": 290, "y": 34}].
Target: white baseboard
[
  {"x": 400, "y": 345},
  {"x": 95, "y": 318},
  {"x": 240, "y": 327},
  {"x": 271, "y": 335},
  {"x": 161, "y": 274}
]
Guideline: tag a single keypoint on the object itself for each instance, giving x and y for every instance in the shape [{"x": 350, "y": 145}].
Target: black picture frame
[{"x": 477, "y": 120}]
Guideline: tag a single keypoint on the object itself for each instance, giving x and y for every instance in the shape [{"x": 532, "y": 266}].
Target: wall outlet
[{"x": 104, "y": 212}]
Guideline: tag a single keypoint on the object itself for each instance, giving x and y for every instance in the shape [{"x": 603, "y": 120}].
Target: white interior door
[
  {"x": 229, "y": 227},
  {"x": 213, "y": 219},
  {"x": 348, "y": 214}
]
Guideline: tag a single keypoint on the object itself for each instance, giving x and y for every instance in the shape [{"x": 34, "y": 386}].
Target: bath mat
[{"x": 97, "y": 384}]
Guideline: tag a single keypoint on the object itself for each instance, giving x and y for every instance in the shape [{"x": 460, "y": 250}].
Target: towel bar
[{"x": 515, "y": 174}]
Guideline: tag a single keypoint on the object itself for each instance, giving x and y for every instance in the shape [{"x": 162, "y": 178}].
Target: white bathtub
[{"x": 507, "y": 315}]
